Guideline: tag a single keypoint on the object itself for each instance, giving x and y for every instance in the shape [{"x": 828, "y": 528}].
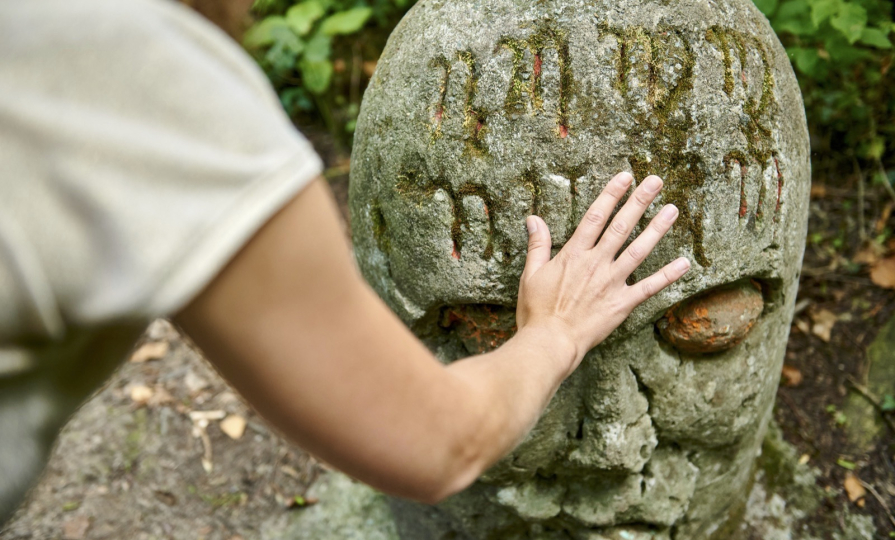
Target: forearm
[{"x": 513, "y": 385}]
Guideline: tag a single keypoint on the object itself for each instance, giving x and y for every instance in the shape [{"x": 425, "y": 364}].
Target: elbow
[
  {"x": 461, "y": 465},
  {"x": 448, "y": 486}
]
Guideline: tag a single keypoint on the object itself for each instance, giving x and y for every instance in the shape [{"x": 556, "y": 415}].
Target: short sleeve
[{"x": 140, "y": 148}]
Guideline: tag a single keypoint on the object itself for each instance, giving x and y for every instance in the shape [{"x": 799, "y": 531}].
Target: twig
[
  {"x": 873, "y": 400},
  {"x": 800, "y": 420},
  {"x": 882, "y": 170},
  {"x": 880, "y": 500},
  {"x": 862, "y": 233}
]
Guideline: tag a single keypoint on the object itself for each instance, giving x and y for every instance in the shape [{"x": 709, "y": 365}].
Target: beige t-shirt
[{"x": 140, "y": 148}]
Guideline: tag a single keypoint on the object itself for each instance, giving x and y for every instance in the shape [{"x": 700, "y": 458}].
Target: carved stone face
[{"x": 481, "y": 113}]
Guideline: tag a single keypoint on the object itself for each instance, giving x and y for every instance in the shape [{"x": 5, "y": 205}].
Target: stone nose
[{"x": 714, "y": 320}]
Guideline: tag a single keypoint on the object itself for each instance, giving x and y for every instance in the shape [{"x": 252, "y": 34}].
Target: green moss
[
  {"x": 521, "y": 91},
  {"x": 380, "y": 229},
  {"x": 473, "y": 119},
  {"x": 440, "y": 112}
]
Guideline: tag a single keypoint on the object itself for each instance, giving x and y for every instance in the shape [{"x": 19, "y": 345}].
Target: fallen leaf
[
  {"x": 166, "y": 497},
  {"x": 141, "y": 394},
  {"x": 818, "y": 191},
  {"x": 234, "y": 426},
  {"x": 160, "y": 397},
  {"x": 853, "y": 487},
  {"x": 803, "y": 326},
  {"x": 882, "y": 274},
  {"x": 870, "y": 253},
  {"x": 805, "y": 458},
  {"x": 75, "y": 528},
  {"x": 845, "y": 464},
  {"x": 152, "y": 350},
  {"x": 791, "y": 375},
  {"x": 369, "y": 67},
  {"x": 824, "y": 320}
]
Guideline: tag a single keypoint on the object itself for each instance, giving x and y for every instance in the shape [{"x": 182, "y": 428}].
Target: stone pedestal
[{"x": 481, "y": 113}]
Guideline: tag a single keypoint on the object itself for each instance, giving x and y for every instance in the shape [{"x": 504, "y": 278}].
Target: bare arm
[{"x": 292, "y": 325}]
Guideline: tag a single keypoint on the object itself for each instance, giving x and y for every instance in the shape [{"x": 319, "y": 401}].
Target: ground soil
[{"x": 123, "y": 470}]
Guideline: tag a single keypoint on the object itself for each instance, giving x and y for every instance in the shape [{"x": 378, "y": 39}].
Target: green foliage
[
  {"x": 842, "y": 53},
  {"x": 318, "y": 53}
]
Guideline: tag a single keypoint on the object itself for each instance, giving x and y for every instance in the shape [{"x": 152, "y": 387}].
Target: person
[{"x": 147, "y": 170}]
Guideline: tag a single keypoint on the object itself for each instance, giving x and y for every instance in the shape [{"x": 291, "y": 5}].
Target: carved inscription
[
  {"x": 473, "y": 118},
  {"x": 655, "y": 72},
  {"x": 526, "y": 79}
]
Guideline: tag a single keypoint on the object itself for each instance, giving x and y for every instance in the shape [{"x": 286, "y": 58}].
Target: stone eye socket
[{"x": 714, "y": 320}]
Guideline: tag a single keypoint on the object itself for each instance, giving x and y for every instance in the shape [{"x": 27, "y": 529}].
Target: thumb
[{"x": 538, "y": 244}]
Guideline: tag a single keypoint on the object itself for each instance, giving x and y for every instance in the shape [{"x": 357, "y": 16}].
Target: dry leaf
[
  {"x": 870, "y": 253},
  {"x": 824, "y": 320},
  {"x": 818, "y": 191},
  {"x": 234, "y": 426},
  {"x": 791, "y": 375},
  {"x": 141, "y": 394},
  {"x": 369, "y": 67},
  {"x": 853, "y": 487},
  {"x": 882, "y": 274},
  {"x": 160, "y": 397},
  {"x": 152, "y": 350},
  {"x": 75, "y": 528},
  {"x": 805, "y": 458},
  {"x": 803, "y": 325}
]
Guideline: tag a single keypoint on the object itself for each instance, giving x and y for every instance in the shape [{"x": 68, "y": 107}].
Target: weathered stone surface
[
  {"x": 481, "y": 113},
  {"x": 347, "y": 510}
]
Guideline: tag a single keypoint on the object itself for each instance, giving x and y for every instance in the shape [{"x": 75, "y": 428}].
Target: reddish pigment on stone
[
  {"x": 536, "y": 70},
  {"x": 563, "y": 131},
  {"x": 779, "y": 186},
  {"x": 455, "y": 253},
  {"x": 744, "y": 207},
  {"x": 439, "y": 112}
]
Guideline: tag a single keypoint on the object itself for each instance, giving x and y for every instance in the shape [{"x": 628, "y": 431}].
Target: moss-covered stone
[{"x": 482, "y": 113}]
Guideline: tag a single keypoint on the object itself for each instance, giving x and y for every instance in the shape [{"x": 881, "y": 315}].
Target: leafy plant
[
  {"x": 842, "y": 51},
  {"x": 304, "y": 47}
]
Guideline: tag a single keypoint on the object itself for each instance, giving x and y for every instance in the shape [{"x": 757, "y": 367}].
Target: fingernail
[
  {"x": 652, "y": 184},
  {"x": 531, "y": 224},
  {"x": 669, "y": 212},
  {"x": 682, "y": 264},
  {"x": 625, "y": 178}
]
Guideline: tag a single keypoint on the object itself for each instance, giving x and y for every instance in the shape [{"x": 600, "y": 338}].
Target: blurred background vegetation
[{"x": 319, "y": 54}]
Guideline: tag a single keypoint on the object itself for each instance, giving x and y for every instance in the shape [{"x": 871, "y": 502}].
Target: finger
[
  {"x": 593, "y": 221},
  {"x": 623, "y": 223},
  {"x": 538, "y": 245},
  {"x": 648, "y": 287},
  {"x": 643, "y": 245}
]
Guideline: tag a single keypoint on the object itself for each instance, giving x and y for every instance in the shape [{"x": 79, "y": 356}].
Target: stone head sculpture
[{"x": 481, "y": 113}]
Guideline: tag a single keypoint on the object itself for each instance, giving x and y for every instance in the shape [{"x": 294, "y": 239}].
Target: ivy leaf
[
  {"x": 851, "y": 21},
  {"x": 807, "y": 60},
  {"x": 888, "y": 404},
  {"x": 822, "y": 10},
  {"x": 319, "y": 48},
  {"x": 767, "y": 6},
  {"x": 346, "y": 22},
  {"x": 284, "y": 53},
  {"x": 876, "y": 38},
  {"x": 264, "y": 32},
  {"x": 316, "y": 75},
  {"x": 301, "y": 17},
  {"x": 794, "y": 17}
]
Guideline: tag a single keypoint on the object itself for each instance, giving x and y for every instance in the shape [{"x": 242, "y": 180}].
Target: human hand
[{"x": 581, "y": 294}]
